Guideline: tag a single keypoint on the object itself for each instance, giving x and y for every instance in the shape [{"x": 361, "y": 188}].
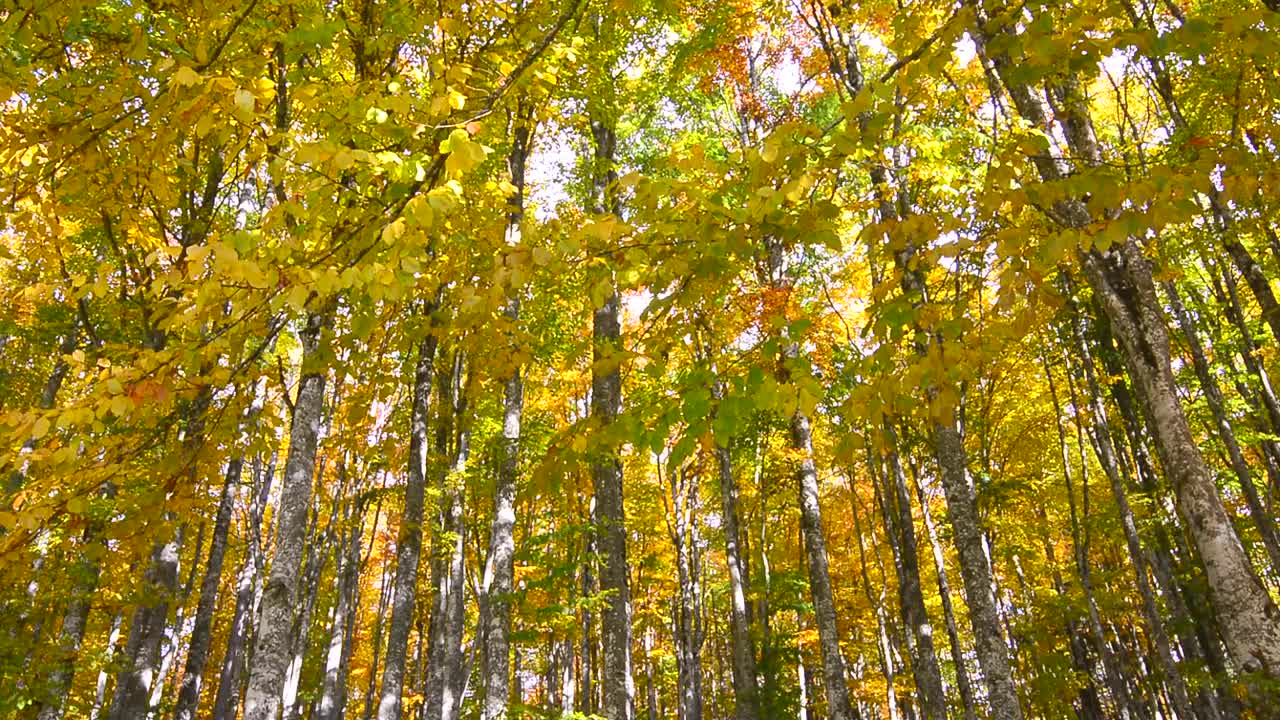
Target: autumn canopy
[{"x": 639, "y": 359}]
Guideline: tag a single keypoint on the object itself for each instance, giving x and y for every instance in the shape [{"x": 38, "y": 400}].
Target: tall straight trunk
[
  {"x": 883, "y": 651},
  {"x": 409, "y": 540},
  {"x": 1119, "y": 692},
  {"x": 445, "y": 666},
  {"x": 1102, "y": 444},
  {"x": 1121, "y": 279},
  {"x": 617, "y": 683},
  {"x": 745, "y": 689},
  {"x": 824, "y": 609},
  {"x": 227, "y": 700},
  {"x": 1261, "y": 518},
  {"x": 333, "y": 694},
  {"x": 132, "y": 697},
  {"x": 687, "y": 610},
  {"x": 963, "y": 684},
  {"x": 100, "y": 688},
  {"x": 321, "y": 547},
  {"x": 280, "y": 593},
  {"x": 500, "y": 582},
  {"x": 198, "y": 648},
  {"x": 924, "y": 659},
  {"x": 384, "y": 599},
  {"x": 975, "y": 571}
]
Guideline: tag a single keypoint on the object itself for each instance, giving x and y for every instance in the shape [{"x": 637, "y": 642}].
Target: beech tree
[{"x": 571, "y": 358}]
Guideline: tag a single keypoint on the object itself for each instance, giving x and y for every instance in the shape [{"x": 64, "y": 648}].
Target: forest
[{"x": 639, "y": 359}]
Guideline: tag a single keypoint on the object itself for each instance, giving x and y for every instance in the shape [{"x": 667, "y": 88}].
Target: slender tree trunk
[
  {"x": 71, "y": 636},
  {"x": 280, "y": 595},
  {"x": 333, "y": 694},
  {"x": 1262, "y": 519},
  {"x": 745, "y": 689},
  {"x": 963, "y": 684},
  {"x": 409, "y": 541},
  {"x": 838, "y": 705},
  {"x": 500, "y": 580},
  {"x": 198, "y": 648},
  {"x": 924, "y": 659},
  {"x": 445, "y": 666},
  {"x": 100, "y": 689},
  {"x": 227, "y": 701},
  {"x": 883, "y": 652},
  {"x": 1119, "y": 692},
  {"x": 683, "y": 526},
  {"x": 975, "y": 570},
  {"x": 617, "y": 683},
  {"x": 384, "y": 599},
  {"x": 1107, "y": 458}
]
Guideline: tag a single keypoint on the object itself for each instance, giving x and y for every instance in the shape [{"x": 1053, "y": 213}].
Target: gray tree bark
[
  {"x": 409, "y": 540},
  {"x": 682, "y": 526},
  {"x": 745, "y": 686},
  {"x": 924, "y": 659},
  {"x": 132, "y": 697},
  {"x": 815, "y": 543},
  {"x": 227, "y": 701},
  {"x": 333, "y": 694},
  {"x": 1101, "y": 436},
  {"x": 71, "y": 635},
  {"x": 445, "y": 663},
  {"x": 280, "y": 594},
  {"x": 617, "y": 683},
  {"x": 1261, "y": 518},
  {"x": 198, "y": 647},
  {"x": 500, "y": 580}
]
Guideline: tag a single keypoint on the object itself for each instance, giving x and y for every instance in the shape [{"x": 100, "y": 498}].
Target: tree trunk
[
  {"x": 333, "y": 694},
  {"x": 963, "y": 683},
  {"x": 500, "y": 582},
  {"x": 687, "y": 620},
  {"x": 280, "y": 595},
  {"x": 227, "y": 701},
  {"x": 617, "y": 683},
  {"x": 198, "y": 649},
  {"x": 1217, "y": 406},
  {"x": 71, "y": 635},
  {"x": 1102, "y": 444},
  {"x": 745, "y": 690},
  {"x": 445, "y": 678},
  {"x": 815, "y": 544},
  {"x": 409, "y": 541},
  {"x": 924, "y": 659},
  {"x": 132, "y": 697},
  {"x": 975, "y": 570}
]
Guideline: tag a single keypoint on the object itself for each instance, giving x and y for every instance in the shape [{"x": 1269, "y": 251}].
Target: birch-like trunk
[
  {"x": 745, "y": 687},
  {"x": 924, "y": 658}
]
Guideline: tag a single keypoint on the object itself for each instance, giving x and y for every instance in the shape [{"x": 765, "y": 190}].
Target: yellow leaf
[
  {"x": 393, "y": 231},
  {"x": 185, "y": 77},
  {"x": 245, "y": 100},
  {"x": 40, "y": 429}
]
